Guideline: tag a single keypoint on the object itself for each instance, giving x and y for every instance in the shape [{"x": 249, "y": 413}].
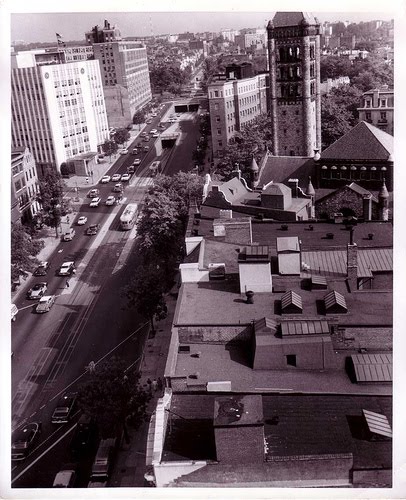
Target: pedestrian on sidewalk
[
  {"x": 67, "y": 283},
  {"x": 149, "y": 382},
  {"x": 154, "y": 385}
]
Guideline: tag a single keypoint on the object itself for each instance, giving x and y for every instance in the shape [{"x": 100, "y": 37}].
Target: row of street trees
[
  {"x": 110, "y": 146},
  {"x": 169, "y": 78}
]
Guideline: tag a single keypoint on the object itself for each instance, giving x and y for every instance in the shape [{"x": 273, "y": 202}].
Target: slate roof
[
  {"x": 282, "y": 168},
  {"x": 282, "y": 19},
  {"x": 363, "y": 142},
  {"x": 276, "y": 188}
]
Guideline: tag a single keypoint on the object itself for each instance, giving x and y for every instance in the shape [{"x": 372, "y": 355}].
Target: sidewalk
[{"x": 129, "y": 467}]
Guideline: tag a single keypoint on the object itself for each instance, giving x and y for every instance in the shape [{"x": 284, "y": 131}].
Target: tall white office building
[{"x": 58, "y": 110}]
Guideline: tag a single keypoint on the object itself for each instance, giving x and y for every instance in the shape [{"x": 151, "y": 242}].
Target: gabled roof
[
  {"x": 276, "y": 188},
  {"x": 363, "y": 142},
  {"x": 333, "y": 299},
  {"x": 282, "y": 19},
  {"x": 353, "y": 186},
  {"x": 291, "y": 298},
  {"x": 282, "y": 168},
  {"x": 234, "y": 190}
]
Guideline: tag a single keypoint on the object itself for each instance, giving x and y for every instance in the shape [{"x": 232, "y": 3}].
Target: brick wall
[
  {"x": 214, "y": 334},
  {"x": 344, "y": 198}
]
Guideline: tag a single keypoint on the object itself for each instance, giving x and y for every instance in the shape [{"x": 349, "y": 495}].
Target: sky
[{"x": 72, "y": 25}]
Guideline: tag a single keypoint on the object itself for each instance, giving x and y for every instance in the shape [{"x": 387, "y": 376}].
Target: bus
[
  {"x": 155, "y": 168},
  {"x": 129, "y": 216}
]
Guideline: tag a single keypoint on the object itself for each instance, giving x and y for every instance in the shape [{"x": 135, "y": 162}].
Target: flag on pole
[{"x": 58, "y": 35}]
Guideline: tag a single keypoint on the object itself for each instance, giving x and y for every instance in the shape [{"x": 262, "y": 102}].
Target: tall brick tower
[{"x": 294, "y": 81}]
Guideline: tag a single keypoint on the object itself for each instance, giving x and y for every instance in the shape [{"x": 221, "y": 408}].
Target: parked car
[
  {"x": 64, "y": 408},
  {"x": 137, "y": 162},
  {"x": 143, "y": 134},
  {"x": 45, "y": 303},
  {"x": 37, "y": 291},
  {"x": 14, "y": 312},
  {"x": 66, "y": 269},
  {"x": 104, "y": 460},
  {"x": 123, "y": 151},
  {"x": 82, "y": 221},
  {"x": 92, "y": 229},
  {"x": 23, "y": 440},
  {"x": 68, "y": 236},
  {"x": 115, "y": 177},
  {"x": 125, "y": 177},
  {"x": 155, "y": 135},
  {"x": 118, "y": 187},
  {"x": 42, "y": 269},
  {"x": 95, "y": 202},
  {"x": 131, "y": 169},
  {"x": 135, "y": 151},
  {"x": 105, "y": 179},
  {"x": 146, "y": 148},
  {"x": 153, "y": 131},
  {"x": 110, "y": 200},
  {"x": 84, "y": 437},
  {"x": 93, "y": 193},
  {"x": 66, "y": 477},
  {"x": 146, "y": 139}
]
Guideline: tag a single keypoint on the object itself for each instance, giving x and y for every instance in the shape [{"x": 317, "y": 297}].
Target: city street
[{"x": 89, "y": 320}]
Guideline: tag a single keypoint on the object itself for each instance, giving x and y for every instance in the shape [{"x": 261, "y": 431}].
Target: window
[
  {"x": 291, "y": 359},
  {"x": 383, "y": 103},
  {"x": 367, "y": 103},
  {"x": 368, "y": 115},
  {"x": 216, "y": 93},
  {"x": 219, "y": 131},
  {"x": 383, "y": 115}
]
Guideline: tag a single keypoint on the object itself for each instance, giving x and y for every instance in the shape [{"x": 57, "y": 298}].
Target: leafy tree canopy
[
  {"x": 113, "y": 397},
  {"x": 139, "y": 117},
  {"x": 50, "y": 197},
  {"x": 109, "y": 147},
  {"x": 24, "y": 248},
  {"x": 121, "y": 136},
  {"x": 335, "y": 121}
]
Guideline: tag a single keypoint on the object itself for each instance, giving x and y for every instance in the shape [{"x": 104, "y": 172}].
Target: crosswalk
[{"x": 142, "y": 181}]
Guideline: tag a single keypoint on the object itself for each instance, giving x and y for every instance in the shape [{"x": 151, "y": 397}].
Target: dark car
[
  {"x": 23, "y": 440},
  {"x": 92, "y": 229},
  {"x": 84, "y": 438},
  {"x": 64, "y": 409},
  {"x": 42, "y": 269}
]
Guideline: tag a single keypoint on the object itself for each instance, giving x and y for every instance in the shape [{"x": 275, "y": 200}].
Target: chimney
[
  {"x": 352, "y": 264},
  {"x": 367, "y": 206},
  {"x": 239, "y": 429},
  {"x": 293, "y": 184},
  {"x": 236, "y": 172}
]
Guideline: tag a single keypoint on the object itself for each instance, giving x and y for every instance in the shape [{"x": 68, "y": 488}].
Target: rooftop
[
  {"x": 283, "y": 168},
  {"x": 282, "y": 19}
]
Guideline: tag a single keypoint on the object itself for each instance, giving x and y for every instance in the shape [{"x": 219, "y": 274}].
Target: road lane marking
[{"x": 42, "y": 454}]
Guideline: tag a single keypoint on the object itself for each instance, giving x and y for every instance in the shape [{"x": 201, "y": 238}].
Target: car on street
[
  {"x": 118, "y": 187},
  {"x": 105, "y": 179},
  {"x": 146, "y": 139},
  {"x": 125, "y": 177},
  {"x": 162, "y": 125},
  {"x": 66, "y": 269},
  {"x": 95, "y": 202},
  {"x": 143, "y": 134},
  {"x": 45, "y": 303},
  {"x": 82, "y": 221},
  {"x": 42, "y": 269},
  {"x": 115, "y": 177},
  {"x": 70, "y": 233},
  {"x": 64, "y": 408},
  {"x": 23, "y": 440},
  {"x": 153, "y": 131},
  {"x": 154, "y": 115},
  {"x": 84, "y": 437},
  {"x": 148, "y": 121},
  {"x": 92, "y": 229},
  {"x": 137, "y": 162},
  {"x": 135, "y": 151},
  {"x": 93, "y": 193},
  {"x": 110, "y": 200},
  {"x": 172, "y": 120},
  {"x": 37, "y": 291},
  {"x": 123, "y": 151},
  {"x": 66, "y": 477},
  {"x": 146, "y": 148},
  {"x": 103, "y": 461},
  {"x": 155, "y": 135}
]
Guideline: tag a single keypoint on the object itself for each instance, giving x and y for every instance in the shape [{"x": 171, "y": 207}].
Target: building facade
[
  {"x": 107, "y": 33},
  {"x": 24, "y": 185},
  {"x": 234, "y": 103},
  {"x": 294, "y": 88},
  {"x": 377, "y": 108},
  {"x": 58, "y": 110},
  {"x": 125, "y": 77}
]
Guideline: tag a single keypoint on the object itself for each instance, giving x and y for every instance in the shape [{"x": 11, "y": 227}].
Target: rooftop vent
[
  {"x": 335, "y": 303},
  {"x": 291, "y": 303}
]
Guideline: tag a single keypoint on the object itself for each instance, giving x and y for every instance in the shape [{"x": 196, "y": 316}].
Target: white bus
[
  {"x": 155, "y": 168},
  {"x": 129, "y": 216}
]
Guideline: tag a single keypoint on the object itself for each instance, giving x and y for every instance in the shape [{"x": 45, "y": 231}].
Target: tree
[
  {"x": 121, "y": 136},
  {"x": 24, "y": 248},
  {"x": 113, "y": 397},
  {"x": 138, "y": 118},
  {"x": 109, "y": 147},
  {"x": 145, "y": 292},
  {"x": 50, "y": 197},
  {"x": 335, "y": 121}
]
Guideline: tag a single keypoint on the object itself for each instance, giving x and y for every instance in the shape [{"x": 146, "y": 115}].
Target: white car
[
  {"x": 155, "y": 134},
  {"x": 66, "y": 269},
  {"x": 154, "y": 115},
  {"x": 153, "y": 131},
  {"x": 95, "y": 202},
  {"x": 45, "y": 304},
  {"x": 137, "y": 162},
  {"x": 124, "y": 151},
  {"x": 37, "y": 291},
  {"x": 82, "y": 221},
  {"x": 115, "y": 177},
  {"x": 125, "y": 177},
  {"x": 110, "y": 200},
  {"x": 69, "y": 235},
  {"x": 105, "y": 179}
]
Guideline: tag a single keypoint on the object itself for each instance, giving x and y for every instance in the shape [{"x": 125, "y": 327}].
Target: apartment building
[
  {"x": 377, "y": 108},
  {"x": 58, "y": 110},
  {"x": 24, "y": 185},
  {"x": 234, "y": 103}
]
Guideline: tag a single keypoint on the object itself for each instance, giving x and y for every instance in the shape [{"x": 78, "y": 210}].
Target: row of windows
[
  {"x": 353, "y": 173},
  {"x": 382, "y": 103}
]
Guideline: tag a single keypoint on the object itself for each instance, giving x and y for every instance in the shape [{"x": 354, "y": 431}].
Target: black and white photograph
[{"x": 199, "y": 250}]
